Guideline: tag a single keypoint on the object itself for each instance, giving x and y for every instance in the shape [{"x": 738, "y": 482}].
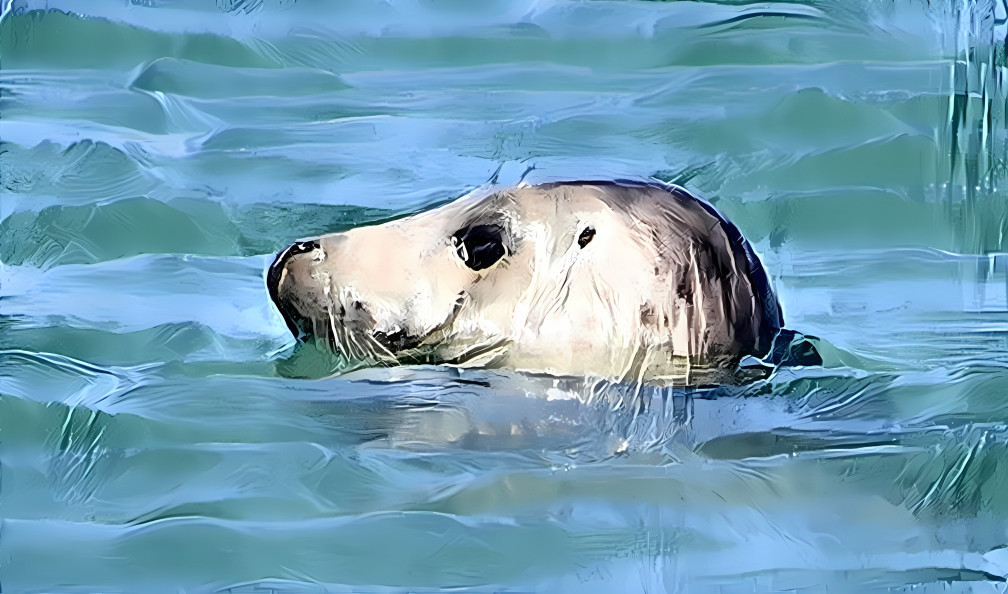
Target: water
[{"x": 158, "y": 432}]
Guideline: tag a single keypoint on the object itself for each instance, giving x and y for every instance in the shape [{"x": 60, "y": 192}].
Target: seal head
[{"x": 624, "y": 280}]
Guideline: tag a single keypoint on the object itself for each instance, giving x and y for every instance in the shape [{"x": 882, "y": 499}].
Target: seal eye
[
  {"x": 480, "y": 246},
  {"x": 586, "y": 236}
]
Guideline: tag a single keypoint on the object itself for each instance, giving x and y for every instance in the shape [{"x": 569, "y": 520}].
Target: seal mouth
[
  {"x": 398, "y": 341},
  {"x": 401, "y": 344}
]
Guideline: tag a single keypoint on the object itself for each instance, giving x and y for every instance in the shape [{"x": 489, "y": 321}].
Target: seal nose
[{"x": 275, "y": 277}]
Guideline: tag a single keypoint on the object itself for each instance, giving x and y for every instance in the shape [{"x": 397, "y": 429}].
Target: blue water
[{"x": 160, "y": 432}]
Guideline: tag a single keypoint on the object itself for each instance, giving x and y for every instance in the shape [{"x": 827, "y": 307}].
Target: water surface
[{"x": 159, "y": 432}]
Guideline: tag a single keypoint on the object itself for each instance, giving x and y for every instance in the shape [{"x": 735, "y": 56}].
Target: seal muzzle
[{"x": 297, "y": 323}]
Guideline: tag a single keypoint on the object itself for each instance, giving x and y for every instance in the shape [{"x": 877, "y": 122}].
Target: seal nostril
[
  {"x": 276, "y": 268},
  {"x": 275, "y": 275}
]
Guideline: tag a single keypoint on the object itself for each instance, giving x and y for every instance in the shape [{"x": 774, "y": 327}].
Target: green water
[{"x": 159, "y": 432}]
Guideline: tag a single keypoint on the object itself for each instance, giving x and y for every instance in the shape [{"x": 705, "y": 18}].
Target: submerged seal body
[{"x": 627, "y": 280}]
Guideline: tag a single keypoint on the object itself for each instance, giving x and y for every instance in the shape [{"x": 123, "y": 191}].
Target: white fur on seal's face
[{"x": 656, "y": 293}]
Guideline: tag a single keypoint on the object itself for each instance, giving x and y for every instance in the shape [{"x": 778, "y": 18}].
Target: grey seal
[{"x": 633, "y": 281}]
